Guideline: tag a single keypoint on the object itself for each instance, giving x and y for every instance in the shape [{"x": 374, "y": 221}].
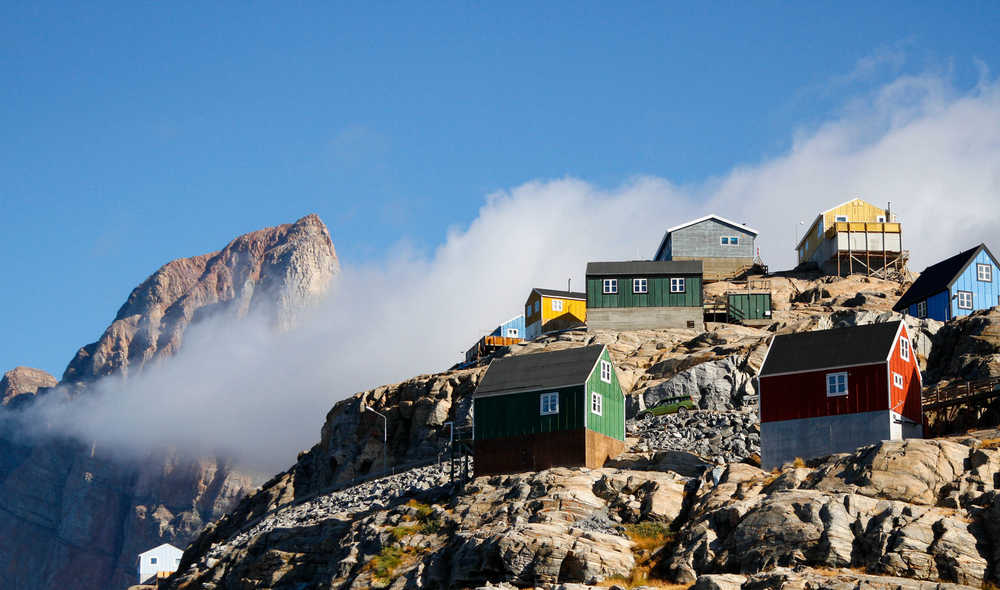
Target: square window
[
  {"x": 880, "y": 219},
  {"x": 152, "y": 561},
  {"x": 610, "y": 286},
  {"x": 549, "y": 404},
  {"x": 836, "y": 384},
  {"x": 965, "y": 299},
  {"x": 984, "y": 273},
  {"x": 639, "y": 286},
  {"x": 512, "y": 332},
  {"x": 921, "y": 309},
  {"x": 606, "y": 371},
  {"x": 596, "y": 403},
  {"x": 724, "y": 240},
  {"x": 897, "y": 380},
  {"x": 734, "y": 240},
  {"x": 677, "y": 285},
  {"x": 557, "y": 305},
  {"x": 841, "y": 218},
  {"x": 904, "y": 348}
]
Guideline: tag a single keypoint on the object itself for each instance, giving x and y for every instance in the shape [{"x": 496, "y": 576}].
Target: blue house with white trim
[{"x": 955, "y": 287}]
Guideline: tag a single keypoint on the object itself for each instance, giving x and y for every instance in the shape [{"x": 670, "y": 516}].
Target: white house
[{"x": 164, "y": 558}]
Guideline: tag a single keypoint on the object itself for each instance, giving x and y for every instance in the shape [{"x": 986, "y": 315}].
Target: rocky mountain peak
[
  {"x": 277, "y": 271},
  {"x": 23, "y": 380}
]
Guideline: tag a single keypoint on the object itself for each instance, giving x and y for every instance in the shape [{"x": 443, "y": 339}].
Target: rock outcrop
[
  {"x": 73, "y": 515},
  {"x": 276, "y": 271},
  {"x": 968, "y": 348},
  {"x": 23, "y": 381}
]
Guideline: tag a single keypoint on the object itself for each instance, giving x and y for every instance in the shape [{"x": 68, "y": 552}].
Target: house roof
[
  {"x": 560, "y": 294},
  {"x": 163, "y": 546},
  {"x": 645, "y": 267},
  {"x": 699, "y": 220},
  {"x": 939, "y": 277},
  {"x": 543, "y": 370},
  {"x": 826, "y": 349}
]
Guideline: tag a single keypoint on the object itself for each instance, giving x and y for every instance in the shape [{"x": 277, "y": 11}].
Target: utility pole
[{"x": 385, "y": 434}]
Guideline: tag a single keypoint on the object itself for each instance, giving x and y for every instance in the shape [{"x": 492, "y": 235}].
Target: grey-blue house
[{"x": 726, "y": 248}]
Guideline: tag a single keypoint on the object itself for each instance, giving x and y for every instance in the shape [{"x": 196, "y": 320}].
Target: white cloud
[{"x": 931, "y": 150}]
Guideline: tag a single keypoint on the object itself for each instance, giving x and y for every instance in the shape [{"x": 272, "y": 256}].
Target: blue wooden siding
[
  {"x": 703, "y": 240},
  {"x": 515, "y": 323},
  {"x": 984, "y": 294},
  {"x": 937, "y": 307}
]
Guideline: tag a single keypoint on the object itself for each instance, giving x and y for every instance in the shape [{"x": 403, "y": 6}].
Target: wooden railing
[{"x": 955, "y": 394}]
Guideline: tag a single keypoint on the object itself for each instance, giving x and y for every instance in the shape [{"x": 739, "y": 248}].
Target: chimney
[{"x": 569, "y": 281}]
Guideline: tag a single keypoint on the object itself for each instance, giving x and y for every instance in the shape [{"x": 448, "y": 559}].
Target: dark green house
[
  {"x": 535, "y": 411},
  {"x": 645, "y": 294}
]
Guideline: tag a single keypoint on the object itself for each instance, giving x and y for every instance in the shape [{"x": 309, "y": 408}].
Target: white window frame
[
  {"x": 557, "y": 305},
  {"x": 723, "y": 240},
  {"x": 984, "y": 277},
  {"x": 922, "y": 309},
  {"x": 836, "y": 391},
  {"x": 904, "y": 348},
  {"x": 610, "y": 286},
  {"x": 548, "y": 404},
  {"x": 152, "y": 561},
  {"x": 897, "y": 380},
  {"x": 640, "y": 286},
  {"x": 678, "y": 285},
  {"x": 512, "y": 332},
  {"x": 596, "y": 403},
  {"x": 880, "y": 219},
  {"x": 840, "y": 219},
  {"x": 959, "y": 295},
  {"x": 606, "y": 371}
]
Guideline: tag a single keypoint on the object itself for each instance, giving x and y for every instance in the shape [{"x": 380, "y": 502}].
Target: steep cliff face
[
  {"x": 278, "y": 271},
  {"x": 21, "y": 381},
  {"x": 74, "y": 515}
]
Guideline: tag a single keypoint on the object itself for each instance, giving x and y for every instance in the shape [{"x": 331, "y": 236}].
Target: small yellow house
[
  {"x": 547, "y": 311},
  {"x": 855, "y": 236}
]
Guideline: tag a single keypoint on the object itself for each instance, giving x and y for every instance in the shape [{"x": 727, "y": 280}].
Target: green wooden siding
[
  {"x": 612, "y": 421},
  {"x": 749, "y": 306},
  {"x": 658, "y": 295},
  {"x": 517, "y": 414}
]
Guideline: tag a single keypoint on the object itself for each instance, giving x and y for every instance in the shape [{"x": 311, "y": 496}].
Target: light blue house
[
  {"x": 512, "y": 328},
  {"x": 954, "y": 287}
]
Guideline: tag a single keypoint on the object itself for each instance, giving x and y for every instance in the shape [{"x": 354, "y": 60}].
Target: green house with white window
[
  {"x": 645, "y": 294},
  {"x": 536, "y": 411}
]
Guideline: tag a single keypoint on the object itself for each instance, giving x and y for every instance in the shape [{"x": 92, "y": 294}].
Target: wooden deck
[
  {"x": 961, "y": 393},
  {"x": 958, "y": 407}
]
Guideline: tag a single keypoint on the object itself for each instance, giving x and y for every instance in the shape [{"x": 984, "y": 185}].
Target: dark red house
[{"x": 832, "y": 391}]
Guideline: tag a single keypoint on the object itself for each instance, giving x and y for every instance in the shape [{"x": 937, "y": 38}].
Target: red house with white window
[{"x": 832, "y": 391}]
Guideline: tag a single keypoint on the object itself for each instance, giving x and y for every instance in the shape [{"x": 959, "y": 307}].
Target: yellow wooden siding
[
  {"x": 858, "y": 213},
  {"x": 577, "y": 309},
  {"x": 530, "y": 318}
]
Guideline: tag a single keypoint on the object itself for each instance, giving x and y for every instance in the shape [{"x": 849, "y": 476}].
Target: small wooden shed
[
  {"x": 560, "y": 408},
  {"x": 832, "y": 391}
]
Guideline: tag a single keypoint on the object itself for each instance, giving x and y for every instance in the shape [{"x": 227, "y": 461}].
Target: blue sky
[{"x": 135, "y": 134}]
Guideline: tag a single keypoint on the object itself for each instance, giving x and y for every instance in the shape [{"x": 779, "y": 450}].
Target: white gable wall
[{"x": 164, "y": 558}]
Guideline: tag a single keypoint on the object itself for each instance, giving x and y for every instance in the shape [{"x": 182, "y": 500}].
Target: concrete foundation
[
  {"x": 808, "y": 438},
  {"x": 645, "y": 318}
]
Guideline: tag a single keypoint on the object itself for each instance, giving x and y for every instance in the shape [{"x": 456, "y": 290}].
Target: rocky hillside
[
  {"x": 683, "y": 504},
  {"x": 73, "y": 515},
  {"x": 23, "y": 381}
]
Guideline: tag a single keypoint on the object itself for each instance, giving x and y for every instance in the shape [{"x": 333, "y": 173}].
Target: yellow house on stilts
[{"x": 854, "y": 237}]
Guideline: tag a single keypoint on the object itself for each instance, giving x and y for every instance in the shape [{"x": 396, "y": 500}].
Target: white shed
[{"x": 164, "y": 558}]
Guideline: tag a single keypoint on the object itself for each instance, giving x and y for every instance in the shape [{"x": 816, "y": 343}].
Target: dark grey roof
[
  {"x": 563, "y": 294},
  {"x": 644, "y": 267},
  {"x": 826, "y": 349},
  {"x": 938, "y": 277},
  {"x": 543, "y": 370}
]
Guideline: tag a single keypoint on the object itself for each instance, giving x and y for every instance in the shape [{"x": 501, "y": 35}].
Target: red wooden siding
[
  {"x": 906, "y": 401},
  {"x": 803, "y": 395}
]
